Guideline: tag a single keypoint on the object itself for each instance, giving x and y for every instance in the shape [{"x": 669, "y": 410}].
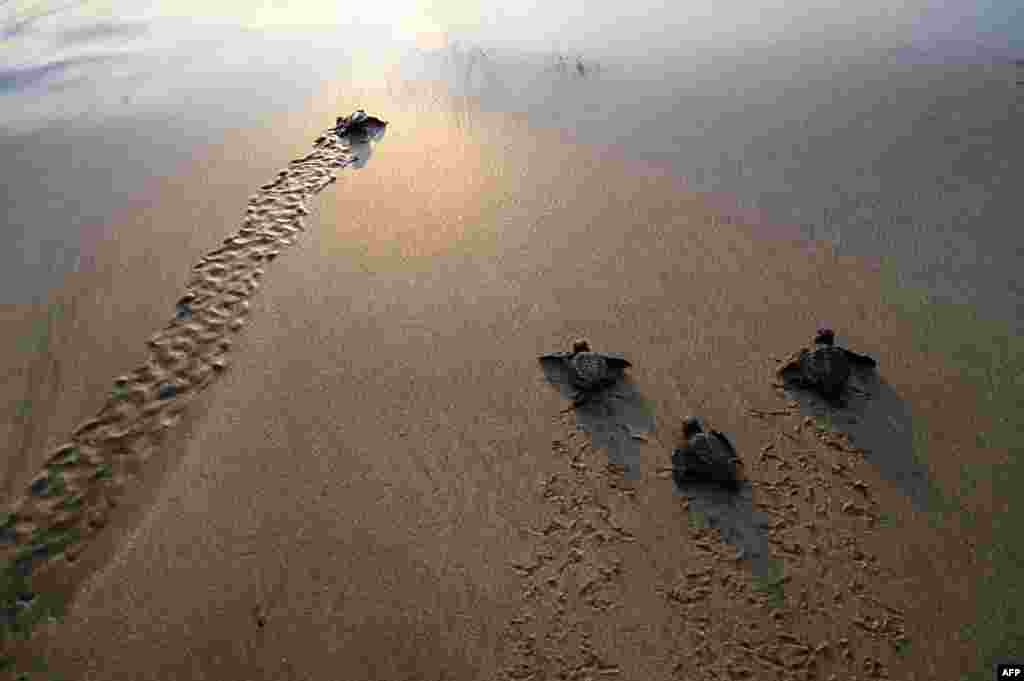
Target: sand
[
  {"x": 370, "y": 479},
  {"x": 83, "y": 478}
]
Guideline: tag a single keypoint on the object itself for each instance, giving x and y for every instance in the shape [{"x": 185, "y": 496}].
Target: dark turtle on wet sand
[
  {"x": 359, "y": 125},
  {"x": 704, "y": 456},
  {"x": 825, "y": 368},
  {"x": 590, "y": 372}
]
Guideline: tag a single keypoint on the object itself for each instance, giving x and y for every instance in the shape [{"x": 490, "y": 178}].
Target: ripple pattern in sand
[{"x": 70, "y": 500}]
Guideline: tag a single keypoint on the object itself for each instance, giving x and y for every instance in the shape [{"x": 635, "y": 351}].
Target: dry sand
[{"x": 381, "y": 486}]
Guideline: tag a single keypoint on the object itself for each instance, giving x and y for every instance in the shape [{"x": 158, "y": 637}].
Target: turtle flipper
[
  {"x": 616, "y": 360},
  {"x": 860, "y": 360},
  {"x": 724, "y": 441},
  {"x": 791, "y": 368},
  {"x": 792, "y": 376}
]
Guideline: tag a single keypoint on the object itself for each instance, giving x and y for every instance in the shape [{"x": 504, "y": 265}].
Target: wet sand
[{"x": 382, "y": 483}]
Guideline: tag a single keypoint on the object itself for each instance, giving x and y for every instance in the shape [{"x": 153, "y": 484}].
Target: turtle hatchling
[
  {"x": 589, "y": 372},
  {"x": 825, "y": 368},
  {"x": 359, "y": 125},
  {"x": 704, "y": 456}
]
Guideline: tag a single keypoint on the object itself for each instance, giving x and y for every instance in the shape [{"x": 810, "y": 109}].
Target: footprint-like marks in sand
[
  {"x": 575, "y": 567},
  {"x": 69, "y": 501}
]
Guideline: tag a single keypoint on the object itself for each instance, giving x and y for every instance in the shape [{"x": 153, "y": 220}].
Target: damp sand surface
[{"x": 380, "y": 478}]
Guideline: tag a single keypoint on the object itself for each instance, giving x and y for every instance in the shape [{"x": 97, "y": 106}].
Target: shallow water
[
  {"x": 94, "y": 115},
  {"x": 880, "y": 156}
]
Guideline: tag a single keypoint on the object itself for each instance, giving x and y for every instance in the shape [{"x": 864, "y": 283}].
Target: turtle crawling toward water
[
  {"x": 359, "y": 125},
  {"x": 704, "y": 456},
  {"x": 826, "y": 368},
  {"x": 589, "y": 372}
]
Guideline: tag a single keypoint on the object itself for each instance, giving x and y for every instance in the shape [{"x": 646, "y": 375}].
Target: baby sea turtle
[
  {"x": 704, "y": 456},
  {"x": 359, "y": 125},
  {"x": 826, "y": 368},
  {"x": 589, "y": 371}
]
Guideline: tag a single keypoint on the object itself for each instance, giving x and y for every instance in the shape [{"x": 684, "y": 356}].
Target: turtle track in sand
[
  {"x": 574, "y": 572},
  {"x": 69, "y": 501},
  {"x": 596, "y": 561}
]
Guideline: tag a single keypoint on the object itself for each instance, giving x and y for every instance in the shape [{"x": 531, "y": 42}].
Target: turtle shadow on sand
[
  {"x": 614, "y": 416},
  {"x": 878, "y": 421},
  {"x": 706, "y": 470},
  {"x": 617, "y": 415},
  {"x": 731, "y": 511}
]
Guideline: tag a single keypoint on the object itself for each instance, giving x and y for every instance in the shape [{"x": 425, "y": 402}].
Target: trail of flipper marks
[{"x": 70, "y": 500}]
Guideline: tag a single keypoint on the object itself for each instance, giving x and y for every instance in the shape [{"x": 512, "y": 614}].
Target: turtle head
[
  {"x": 691, "y": 426},
  {"x": 580, "y": 345},
  {"x": 825, "y": 337}
]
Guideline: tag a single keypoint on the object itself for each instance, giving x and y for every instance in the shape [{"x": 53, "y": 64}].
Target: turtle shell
[
  {"x": 364, "y": 127},
  {"x": 827, "y": 368},
  {"x": 615, "y": 360},
  {"x": 587, "y": 372},
  {"x": 706, "y": 456},
  {"x": 351, "y": 123},
  {"x": 590, "y": 370}
]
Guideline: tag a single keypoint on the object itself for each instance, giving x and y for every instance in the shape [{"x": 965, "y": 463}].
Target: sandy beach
[{"x": 347, "y": 463}]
